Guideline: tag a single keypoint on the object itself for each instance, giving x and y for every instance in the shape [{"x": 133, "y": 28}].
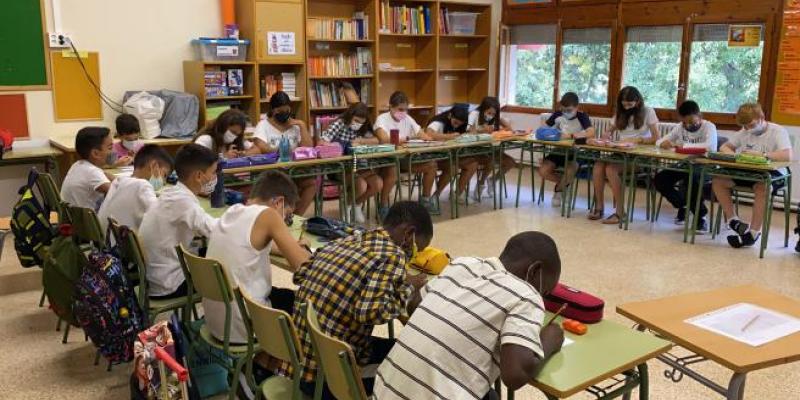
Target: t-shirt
[
  {"x": 270, "y": 135},
  {"x": 580, "y": 122},
  {"x": 338, "y": 132},
  {"x": 127, "y": 200},
  {"x": 630, "y": 131},
  {"x": 80, "y": 185},
  {"x": 208, "y": 142},
  {"x": 775, "y": 138},
  {"x": 473, "y": 121},
  {"x": 441, "y": 124},
  {"x": 450, "y": 348},
  {"x": 706, "y": 136},
  {"x": 230, "y": 244},
  {"x": 407, "y": 126},
  {"x": 176, "y": 218}
]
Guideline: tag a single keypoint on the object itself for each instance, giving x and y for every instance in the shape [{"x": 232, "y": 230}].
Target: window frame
[{"x": 628, "y": 14}]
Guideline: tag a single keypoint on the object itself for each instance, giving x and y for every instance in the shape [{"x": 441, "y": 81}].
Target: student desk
[
  {"x": 565, "y": 148},
  {"x": 753, "y": 173},
  {"x": 372, "y": 161},
  {"x": 613, "y": 155},
  {"x": 35, "y": 155},
  {"x": 606, "y": 350},
  {"x": 665, "y": 317},
  {"x": 654, "y": 158}
]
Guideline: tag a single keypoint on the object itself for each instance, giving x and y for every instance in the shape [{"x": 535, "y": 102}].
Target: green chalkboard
[{"x": 22, "y": 56}]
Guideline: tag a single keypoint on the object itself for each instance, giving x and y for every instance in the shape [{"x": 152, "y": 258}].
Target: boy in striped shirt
[{"x": 479, "y": 320}]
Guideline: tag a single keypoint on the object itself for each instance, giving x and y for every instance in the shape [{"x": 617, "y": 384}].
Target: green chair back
[
  {"x": 86, "y": 227},
  {"x": 50, "y": 194},
  {"x": 337, "y": 361},
  {"x": 130, "y": 250}
]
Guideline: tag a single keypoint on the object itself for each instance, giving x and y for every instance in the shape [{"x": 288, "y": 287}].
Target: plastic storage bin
[
  {"x": 462, "y": 23},
  {"x": 220, "y": 49}
]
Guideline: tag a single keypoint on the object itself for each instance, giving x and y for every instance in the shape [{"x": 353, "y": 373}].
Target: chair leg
[
  {"x": 519, "y": 177},
  {"x": 66, "y": 334},
  {"x": 717, "y": 223},
  {"x": 41, "y": 299},
  {"x": 787, "y": 214},
  {"x": 541, "y": 193},
  {"x": 658, "y": 208}
]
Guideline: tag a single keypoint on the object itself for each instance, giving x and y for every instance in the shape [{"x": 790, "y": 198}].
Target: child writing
[
  {"x": 176, "y": 218},
  {"x": 447, "y": 126},
  {"x": 693, "y": 130},
  {"x": 397, "y": 118},
  {"x": 758, "y": 137},
  {"x": 634, "y": 123},
  {"x": 573, "y": 123},
  {"x": 86, "y": 184},
  {"x": 225, "y": 135},
  {"x": 129, "y": 143},
  {"x": 130, "y": 197},
  {"x": 280, "y": 124},
  {"x": 486, "y": 119}
]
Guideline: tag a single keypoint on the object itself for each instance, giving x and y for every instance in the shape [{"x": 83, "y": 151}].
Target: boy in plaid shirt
[{"x": 358, "y": 282}]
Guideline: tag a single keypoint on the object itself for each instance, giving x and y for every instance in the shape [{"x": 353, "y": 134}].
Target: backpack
[
  {"x": 329, "y": 228},
  {"x": 30, "y": 223},
  {"x": 106, "y": 306},
  {"x": 62, "y": 267}
]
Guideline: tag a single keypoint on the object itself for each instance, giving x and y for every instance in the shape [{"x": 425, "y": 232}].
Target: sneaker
[
  {"x": 430, "y": 205},
  {"x": 383, "y": 211},
  {"x": 702, "y": 226},
  {"x": 746, "y": 240},
  {"x": 359, "y": 215},
  {"x": 556, "y": 201},
  {"x": 738, "y": 226},
  {"x": 680, "y": 219},
  {"x": 490, "y": 188},
  {"x": 478, "y": 193}
]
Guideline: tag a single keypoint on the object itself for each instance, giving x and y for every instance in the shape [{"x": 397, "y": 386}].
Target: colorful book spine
[{"x": 353, "y": 64}]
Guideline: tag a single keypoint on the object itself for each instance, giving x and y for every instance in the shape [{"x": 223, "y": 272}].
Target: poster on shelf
[
  {"x": 744, "y": 35},
  {"x": 280, "y": 43}
]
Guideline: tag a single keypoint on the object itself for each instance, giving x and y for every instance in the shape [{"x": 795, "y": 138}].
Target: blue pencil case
[
  {"x": 548, "y": 134},
  {"x": 235, "y": 162},
  {"x": 263, "y": 159}
]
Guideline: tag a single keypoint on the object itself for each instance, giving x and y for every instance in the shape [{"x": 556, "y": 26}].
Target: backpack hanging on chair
[
  {"x": 30, "y": 223},
  {"x": 63, "y": 264},
  {"x": 106, "y": 306}
]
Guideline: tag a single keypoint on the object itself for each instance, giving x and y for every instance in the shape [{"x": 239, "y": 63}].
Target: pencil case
[
  {"x": 752, "y": 159},
  {"x": 332, "y": 150},
  {"x": 721, "y": 156},
  {"x": 500, "y": 135},
  {"x": 581, "y": 306},
  {"x": 690, "y": 150},
  {"x": 263, "y": 159},
  {"x": 548, "y": 134},
  {"x": 304, "y": 153},
  {"x": 469, "y": 138},
  {"x": 372, "y": 149},
  {"x": 235, "y": 162},
  {"x": 484, "y": 137}
]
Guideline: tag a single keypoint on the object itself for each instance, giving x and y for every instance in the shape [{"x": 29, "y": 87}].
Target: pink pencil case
[
  {"x": 332, "y": 150},
  {"x": 304, "y": 153}
]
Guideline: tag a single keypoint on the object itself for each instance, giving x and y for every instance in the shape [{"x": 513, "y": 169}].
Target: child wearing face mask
[
  {"x": 692, "y": 131},
  {"x": 129, "y": 144},
  {"x": 225, "y": 135},
  {"x": 352, "y": 127},
  {"x": 130, "y": 197},
  {"x": 448, "y": 126},
  {"x": 280, "y": 124},
  {"x": 486, "y": 119},
  {"x": 758, "y": 137},
  {"x": 176, "y": 218},
  {"x": 634, "y": 122},
  {"x": 573, "y": 124}
]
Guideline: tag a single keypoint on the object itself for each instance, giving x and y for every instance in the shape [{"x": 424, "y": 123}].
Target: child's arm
[
  {"x": 654, "y": 134},
  {"x": 382, "y": 136},
  {"x": 269, "y": 227},
  {"x": 505, "y": 124},
  {"x": 305, "y": 138}
]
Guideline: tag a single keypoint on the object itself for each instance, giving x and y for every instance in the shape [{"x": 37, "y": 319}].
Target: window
[
  {"x": 585, "y": 62},
  {"x": 721, "y": 77},
  {"x": 652, "y": 63},
  {"x": 531, "y": 69}
]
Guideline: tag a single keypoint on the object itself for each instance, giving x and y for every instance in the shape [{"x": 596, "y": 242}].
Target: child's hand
[
  {"x": 123, "y": 161},
  {"x": 552, "y": 337},
  {"x": 232, "y": 153},
  {"x": 666, "y": 145}
]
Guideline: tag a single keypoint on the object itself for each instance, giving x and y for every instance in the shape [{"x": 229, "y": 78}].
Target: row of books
[
  {"x": 332, "y": 94},
  {"x": 285, "y": 81},
  {"x": 356, "y": 28},
  {"x": 405, "y": 19},
  {"x": 358, "y": 63},
  {"x": 221, "y": 83}
]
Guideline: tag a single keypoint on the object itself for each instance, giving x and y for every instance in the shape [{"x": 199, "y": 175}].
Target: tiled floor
[{"x": 646, "y": 262}]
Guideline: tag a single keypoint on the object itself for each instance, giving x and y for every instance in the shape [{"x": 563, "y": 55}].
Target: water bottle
[
  {"x": 284, "y": 149},
  {"x": 218, "y": 195}
]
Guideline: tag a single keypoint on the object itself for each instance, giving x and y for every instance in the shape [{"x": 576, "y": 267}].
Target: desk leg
[
  {"x": 689, "y": 187},
  {"x": 768, "y": 211},
  {"x": 697, "y": 203},
  {"x": 453, "y": 181},
  {"x": 736, "y": 387},
  {"x": 411, "y": 178},
  {"x": 631, "y": 199},
  {"x": 621, "y": 201},
  {"x": 644, "y": 382}
]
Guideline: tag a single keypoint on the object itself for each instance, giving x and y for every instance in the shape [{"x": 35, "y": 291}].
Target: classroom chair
[
  {"x": 277, "y": 336},
  {"x": 336, "y": 361},
  {"x": 210, "y": 280}
]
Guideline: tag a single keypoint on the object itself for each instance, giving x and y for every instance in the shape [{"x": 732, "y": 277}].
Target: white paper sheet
[
  {"x": 747, "y": 323},
  {"x": 567, "y": 342}
]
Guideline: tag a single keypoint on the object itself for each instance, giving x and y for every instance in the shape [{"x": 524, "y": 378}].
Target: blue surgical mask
[{"x": 157, "y": 182}]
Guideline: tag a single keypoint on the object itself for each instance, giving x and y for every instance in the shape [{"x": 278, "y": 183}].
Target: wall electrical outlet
[{"x": 59, "y": 39}]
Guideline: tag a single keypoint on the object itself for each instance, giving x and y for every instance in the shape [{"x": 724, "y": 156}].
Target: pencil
[
  {"x": 302, "y": 232},
  {"x": 560, "y": 310},
  {"x": 747, "y": 325}
]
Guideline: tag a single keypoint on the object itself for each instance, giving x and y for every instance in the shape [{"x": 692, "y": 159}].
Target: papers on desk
[
  {"x": 125, "y": 171},
  {"x": 747, "y": 323},
  {"x": 567, "y": 342}
]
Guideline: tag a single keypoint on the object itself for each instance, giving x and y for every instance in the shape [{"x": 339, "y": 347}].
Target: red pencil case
[
  {"x": 690, "y": 150},
  {"x": 581, "y": 306}
]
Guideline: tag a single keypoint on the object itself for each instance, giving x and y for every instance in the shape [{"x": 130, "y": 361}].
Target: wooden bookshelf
[
  {"x": 463, "y": 59},
  {"x": 194, "y": 83}
]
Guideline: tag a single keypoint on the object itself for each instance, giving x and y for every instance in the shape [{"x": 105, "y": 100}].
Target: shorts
[
  {"x": 776, "y": 186},
  {"x": 560, "y": 160}
]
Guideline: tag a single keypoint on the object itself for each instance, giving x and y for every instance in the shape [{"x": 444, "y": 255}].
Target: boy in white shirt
[
  {"x": 692, "y": 131},
  {"x": 86, "y": 184},
  {"x": 176, "y": 218},
  {"x": 756, "y": 137},
  {"x": 242, "y": 241},
  {"x": 130, "y": 197}
]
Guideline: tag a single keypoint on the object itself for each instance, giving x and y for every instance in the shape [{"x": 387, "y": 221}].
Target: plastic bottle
[
  {"x": 218, "y": 195},
  {"x": 284, "y": 149}
]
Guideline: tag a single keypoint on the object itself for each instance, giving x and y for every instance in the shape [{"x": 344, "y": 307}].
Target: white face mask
[
  {"x": 130, "y": 144},
  {"x": 758, "y": 130},
  {"x": 569, "y": 115},
  {"x": 488, "y": 118},
  {"x": 356, "y": 126},
  {"x": 229, "y": 137},
  {"x": 209, "y": 186}
]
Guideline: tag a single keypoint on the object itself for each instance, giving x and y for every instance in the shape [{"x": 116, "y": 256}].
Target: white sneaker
[
  {"x": 556, "y": 201},
  {"x": 359, "y": 215}
]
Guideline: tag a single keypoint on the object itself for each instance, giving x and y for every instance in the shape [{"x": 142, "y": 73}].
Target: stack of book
[
  {"x": 289, "y": 83},
  {"x": 285, "y": 82},
  {"x": 444, "y": 22},
  {"x": 353, "y": 64},
  {"x": 405, "y": 20},
  {"x": 331, "y": 94},
  {"x": 356, "y": 28},
  {"x": 221, "y": 83}
]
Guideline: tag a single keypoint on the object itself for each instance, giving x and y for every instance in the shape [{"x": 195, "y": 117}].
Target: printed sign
[
  {"x": 744, "y": 35},
  {"x": 280, "y": 43}
]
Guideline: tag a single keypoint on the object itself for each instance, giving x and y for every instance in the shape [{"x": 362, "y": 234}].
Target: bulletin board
[
  {"x": 14, "y": 114},
  {"x": 22, "y": 52},
  {"x": 74, "y": 97},
  {"x": 786, "y": 103}
]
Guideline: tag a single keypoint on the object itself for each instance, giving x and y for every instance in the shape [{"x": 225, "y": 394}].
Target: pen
[
  {"x": 560, "y": 310},
  {"x": 747, "y": 325}
]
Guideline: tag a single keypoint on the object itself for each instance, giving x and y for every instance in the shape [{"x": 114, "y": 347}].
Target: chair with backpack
[
  {"x": 336, "y": 362},
  {"x": 277, "y": 336},
  {"x": 210, "y": 280},
  {"x": 31, "y": 222}
]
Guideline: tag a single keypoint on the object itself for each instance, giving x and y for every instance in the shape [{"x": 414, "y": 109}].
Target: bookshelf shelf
[
  {"x": 327, "y": 109},
  {"x": 447, "y": 70},
  {"x": 406, "y": 71},
  {"x": 339, "y": 77},
  {"x": 354, "y": 41},
  {"x": 389, "y": 35},
  {"x": 293, "y": 99},
  {"x": 223, "y": 98},
  {"x": 454, "y": 36},
  {"x": 463, "y": 57}
]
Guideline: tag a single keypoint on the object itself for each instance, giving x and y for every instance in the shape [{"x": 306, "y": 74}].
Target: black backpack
[
  {"x": 329, "y": 228},
  {"x": 30, "y": 223}
]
